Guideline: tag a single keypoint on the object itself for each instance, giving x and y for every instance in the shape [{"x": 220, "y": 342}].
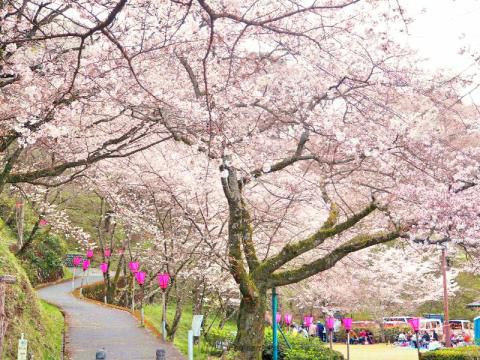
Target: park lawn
[
  {"x": 153, "y": 313},
  {"x": 377, "y": 352}
]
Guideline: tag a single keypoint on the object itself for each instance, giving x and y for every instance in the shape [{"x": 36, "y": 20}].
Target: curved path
[{"x": 93, "y": 327}]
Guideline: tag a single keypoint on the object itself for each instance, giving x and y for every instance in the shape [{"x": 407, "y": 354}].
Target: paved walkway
[{"x": 93, "y": 327}]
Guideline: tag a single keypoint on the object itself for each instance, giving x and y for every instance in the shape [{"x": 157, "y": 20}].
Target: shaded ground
[
  {"x": 377, "y": 352},
  {"x": 93, "y": 327}
]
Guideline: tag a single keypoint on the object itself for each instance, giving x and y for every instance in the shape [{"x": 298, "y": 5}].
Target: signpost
[
  {"x": 68, "y": 261},
  {"x": 197, "y": 324},
  {"x": 22, "y": 349},
  {"x": 4, "y": 280},
  {"x": 195, "y": 331}
]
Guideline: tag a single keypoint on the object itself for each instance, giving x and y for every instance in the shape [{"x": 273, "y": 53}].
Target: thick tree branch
[
  {"x": 328, "y": 229},
  {"x": 196, "y": 87},
  {"x": 355, "y": 244},
  {"x": 239, "y": 233}
]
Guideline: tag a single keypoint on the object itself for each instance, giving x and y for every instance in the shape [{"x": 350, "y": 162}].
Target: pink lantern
[
  {"x": 347, "y": 323},
  {"x": 415, "y": 324},
  {"x": 121, "y": 251},
  {"x": 85, "y": 265},
  {"x": 279, "y": 317},
  {"x": 42, "y": 222},
  {"x": 307, "y": 321},
  {"x": 107, "y": 252},
  {"x": 140, "y": 276},
  {"x": 133, "y": 266},
  {"x": 104, "y": 267},
  {"x": 89, "y": 253},
  {"x": 288, "y": 319},
  {"x": 163, "y": 280},
  {"x": 18, "y": 204},
  {"x": 77, "y": 260},
  {"x": 330, "y": 323}
]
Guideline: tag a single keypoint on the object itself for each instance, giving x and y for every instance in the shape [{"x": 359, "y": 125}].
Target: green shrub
[
  {"x": 43, "y": 261},
  {"x": 459, "y": 353},
  {"x": 232, "y": 355},
  {"x": 215, "y": 336},
  {"x": 304, "y": 348},
  {"x": 324, "y": 354}
]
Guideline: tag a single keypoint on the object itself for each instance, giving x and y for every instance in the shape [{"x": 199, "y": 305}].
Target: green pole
[{"x": 274, "y": 324}]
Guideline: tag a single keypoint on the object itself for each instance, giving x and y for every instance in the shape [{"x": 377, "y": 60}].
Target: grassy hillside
[
  {"x": 41, "y": 323},
  {"x": 469, "y": 291}
]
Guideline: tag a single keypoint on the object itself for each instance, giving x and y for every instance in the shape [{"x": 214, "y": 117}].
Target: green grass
[
  {"x": 67, "y": 273},
  {"x": 54, "y": 324},
  {"x": 25, "y": 313},
  {"x": 153, "y": 313}
]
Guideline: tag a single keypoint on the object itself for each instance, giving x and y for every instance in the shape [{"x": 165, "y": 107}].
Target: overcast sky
[{"x": 442, "y": 27}]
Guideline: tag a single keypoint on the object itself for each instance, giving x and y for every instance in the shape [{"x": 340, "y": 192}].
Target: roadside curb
[
  {"x": 65, "y": 353},
  {"x": 52, "y": 283},
  {"x": 136, "y": 314}
]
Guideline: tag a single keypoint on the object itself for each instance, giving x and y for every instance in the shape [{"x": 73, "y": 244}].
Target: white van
[
  {"x": 461, "y": 326},
  {"x": 429, "y": 325},
  {"x": 392, "y": 321}
]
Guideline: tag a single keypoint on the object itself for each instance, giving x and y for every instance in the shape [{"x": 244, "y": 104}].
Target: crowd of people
[
  {"x": 461, "y": 339},
  {"x": 431, "y": 341},
  {"x": 363, "y": 337},
  {"x": 425, "y": 340}
]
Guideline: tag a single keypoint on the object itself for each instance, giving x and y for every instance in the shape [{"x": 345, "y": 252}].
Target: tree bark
[
  {"x": 171, "y": 330},
  {"x": 251, "y": 326}
]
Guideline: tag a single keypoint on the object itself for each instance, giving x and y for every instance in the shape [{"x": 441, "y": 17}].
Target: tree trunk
[
  {"x": 382, "y": 331},
  {"x": 171, "y": 330},
  {"x": 251, "y": 326}
]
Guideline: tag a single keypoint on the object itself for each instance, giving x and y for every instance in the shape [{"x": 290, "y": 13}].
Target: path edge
[
  {"x": 65, "y": 351},
  {"x": 135, "y": 314}
]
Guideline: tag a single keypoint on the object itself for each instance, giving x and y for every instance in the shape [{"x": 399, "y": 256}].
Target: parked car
[
  {"x": 459, "y": 327},
  {"x": 430, "y": 325},
  {"x": 393, "y": 321}
]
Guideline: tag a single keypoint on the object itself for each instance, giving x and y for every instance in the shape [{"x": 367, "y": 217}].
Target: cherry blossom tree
[{"x": 329, "y": 138}]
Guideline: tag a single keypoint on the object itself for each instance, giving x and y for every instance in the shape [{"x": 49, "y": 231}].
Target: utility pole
[
  {"x": 274, "y": 324},
  {"x": 446, "y": 325}
]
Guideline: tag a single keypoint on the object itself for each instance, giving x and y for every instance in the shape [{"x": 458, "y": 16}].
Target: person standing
[{"x": 320, "y": 331}]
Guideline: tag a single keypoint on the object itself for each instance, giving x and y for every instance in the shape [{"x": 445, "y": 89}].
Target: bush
[
  {"x": 459, "y": 353},
  {"x": 302, "y": 348},
  {"x": 43, "y": 261},
  {"x": 324, "y": 354},
  {"x": 218, "y": 338}
]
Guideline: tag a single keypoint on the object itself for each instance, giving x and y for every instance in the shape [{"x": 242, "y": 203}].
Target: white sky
[{"x": 442, "y": 27}]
